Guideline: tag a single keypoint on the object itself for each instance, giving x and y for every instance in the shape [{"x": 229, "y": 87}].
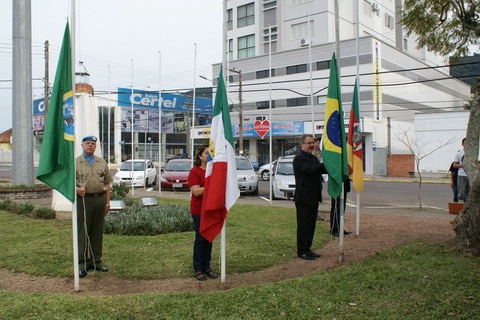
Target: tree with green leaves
[{"x": 452, "y": 27}]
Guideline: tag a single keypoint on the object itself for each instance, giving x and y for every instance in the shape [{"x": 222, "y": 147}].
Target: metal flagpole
[
  {"x": 270, "y": 110},
  {"x": 357, "y": 215},
  {"x": 109, "y": 116},
  {"x": 131, "y": 129},
  {"x": 223, "y": 233},
  {"x": 311, "y": 72},
  {"x": 76, "y": 276},
  {"x": 159, "y": 180},
  {"x": 337, "y": 49},
  {"x": 193, "y": 104}
]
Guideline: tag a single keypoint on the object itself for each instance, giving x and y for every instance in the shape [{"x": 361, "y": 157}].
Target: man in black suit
[{"x": 308, "y": 193}]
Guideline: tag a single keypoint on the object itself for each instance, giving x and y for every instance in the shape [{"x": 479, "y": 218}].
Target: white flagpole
[
  {"x": 132, "y": 119},
  {"x": 109, "y": 116},
  {"x": 311, "y": 72},
  {"x": 270, "y": 111},
  {"x": 224, "y": 231},
  {"x": 193, "y": 104},
  {"x": 357, "y": 215},
  {"x": 159, "y": 123},
  {"x": 337, "y": 49},
  {"x": 76, "y": 277}
]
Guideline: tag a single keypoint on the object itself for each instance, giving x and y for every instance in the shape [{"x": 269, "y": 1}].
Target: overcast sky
[{"x": 112, "y": 33}]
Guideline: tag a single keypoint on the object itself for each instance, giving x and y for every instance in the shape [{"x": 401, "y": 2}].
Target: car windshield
[
  {"x": 178, "y": 166},
  {"x": 137, "y": 166},
  {"x": 243, "y": 164},
  {"x": 285, "y": 168}
]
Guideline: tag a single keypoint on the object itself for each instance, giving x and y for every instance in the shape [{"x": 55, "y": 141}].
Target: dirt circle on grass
[{"x": 378, "y": 232}]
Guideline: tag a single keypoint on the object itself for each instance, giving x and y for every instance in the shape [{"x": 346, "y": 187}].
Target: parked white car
[
  {"x": 247, "y": 178},
  {"x": 264, "y": 171},
  {"x": 144, "y": 173},
  {"x": 283, "y": 179}
]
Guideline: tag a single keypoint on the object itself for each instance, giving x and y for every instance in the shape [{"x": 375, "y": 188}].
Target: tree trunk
[{"x": 467, "y": 223}]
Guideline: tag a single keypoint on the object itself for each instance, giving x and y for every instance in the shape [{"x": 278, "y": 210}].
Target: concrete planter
[{"x": 20, "y": 194}]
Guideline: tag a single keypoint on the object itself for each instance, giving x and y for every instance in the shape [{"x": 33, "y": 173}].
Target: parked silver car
[
  {"x": 283, "y": 179},
  {"x": 247, "y": 178}
]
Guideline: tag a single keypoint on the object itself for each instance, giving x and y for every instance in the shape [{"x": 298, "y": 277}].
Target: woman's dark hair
[{"x": 196, "y": 160}]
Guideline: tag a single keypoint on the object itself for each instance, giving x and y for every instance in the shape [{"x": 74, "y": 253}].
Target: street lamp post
[{"x": 240, "y": 111}]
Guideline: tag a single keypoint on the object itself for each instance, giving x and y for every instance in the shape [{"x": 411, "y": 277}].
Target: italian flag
[{"x": 221, "y": 185}]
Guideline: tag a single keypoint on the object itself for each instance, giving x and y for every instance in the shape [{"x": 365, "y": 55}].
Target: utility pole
[
  {"x": 46, "y": 87},
  {"x": 22, "y": 145},
  {"x": 240, "y": 111}
]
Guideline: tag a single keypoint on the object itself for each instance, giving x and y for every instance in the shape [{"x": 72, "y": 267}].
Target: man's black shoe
[
  {"x": 320, "y": 218},
  {"x": 82, "y": 273},
  {"x": 313, "y": 254},
  {"x": 101, "y": 269},
  {"x": 306, "y": 256}
]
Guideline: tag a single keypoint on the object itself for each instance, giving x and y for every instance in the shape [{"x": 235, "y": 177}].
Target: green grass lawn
[{"x": 415, "y": 281}]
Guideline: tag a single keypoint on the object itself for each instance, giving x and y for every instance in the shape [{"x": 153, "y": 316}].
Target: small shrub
[
  {"x": 27, "y": 209},
  {"x": 6, "y": 204},
  {"x": 22, "y": 208},
  {"x": 129, "y": 202},
  {"x": 119, "y": 191},
  {"x": 44, "y": 213},
  {"x": 150, "y": 221}
]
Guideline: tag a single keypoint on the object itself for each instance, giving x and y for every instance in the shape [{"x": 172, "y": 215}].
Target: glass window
[
  {"x": 229, "y": 19},
  {"x": 323, "y": 65},
  {"x": 367, "y": 8},
  {"x": 246, "y": 15},
  {"x": 269, "y": 4},
  {"x": 264, "y": 105},
  {"x": 265, "y": 74},
  {"x": 300, "y": 30},
  {"x": 246, "y": 46},
  {"x": 297, "y": 69},
  {"x": 230, "y": 49},
  {"x": 389, "y": 21},
  {"x": 295, "y": 102}
]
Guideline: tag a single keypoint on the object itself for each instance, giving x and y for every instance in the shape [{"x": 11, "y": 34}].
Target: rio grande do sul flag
[
  {"x": 221, "y": 185},
  {"x": 354, "y": 145},
  {"x": 57, "y": 162},
  {"x": 334, "y": 151}
]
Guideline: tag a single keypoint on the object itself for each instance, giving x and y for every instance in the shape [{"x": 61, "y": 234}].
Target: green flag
[
  {"x": 57, "y": 162},
  {"x": 334, "y": 152}
]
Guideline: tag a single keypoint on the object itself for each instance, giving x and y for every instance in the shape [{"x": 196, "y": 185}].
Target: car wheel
[
  {"x": 155, "y": 180},
  {"x": 255, "y": 193},
  {"x": 265, "y": 175},
  {"x": 146, "y": 183}
]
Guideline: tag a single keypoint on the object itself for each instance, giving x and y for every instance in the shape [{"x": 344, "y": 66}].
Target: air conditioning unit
[
  {"x": 375, "y": 6},
  {"x": 304, "y": 42}
]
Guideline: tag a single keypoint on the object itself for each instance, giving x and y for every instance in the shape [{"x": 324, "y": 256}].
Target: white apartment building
[{"x": 397, "y": 80}]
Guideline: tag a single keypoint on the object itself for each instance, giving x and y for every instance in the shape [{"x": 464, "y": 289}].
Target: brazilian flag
[
  {"x": 56, "y": 167},
  {"x": 334, "y": 147}
]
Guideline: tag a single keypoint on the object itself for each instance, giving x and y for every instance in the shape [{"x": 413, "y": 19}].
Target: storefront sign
[
  {"x": 170, "y": 102},
  {"x": 261, "y": 127}
]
